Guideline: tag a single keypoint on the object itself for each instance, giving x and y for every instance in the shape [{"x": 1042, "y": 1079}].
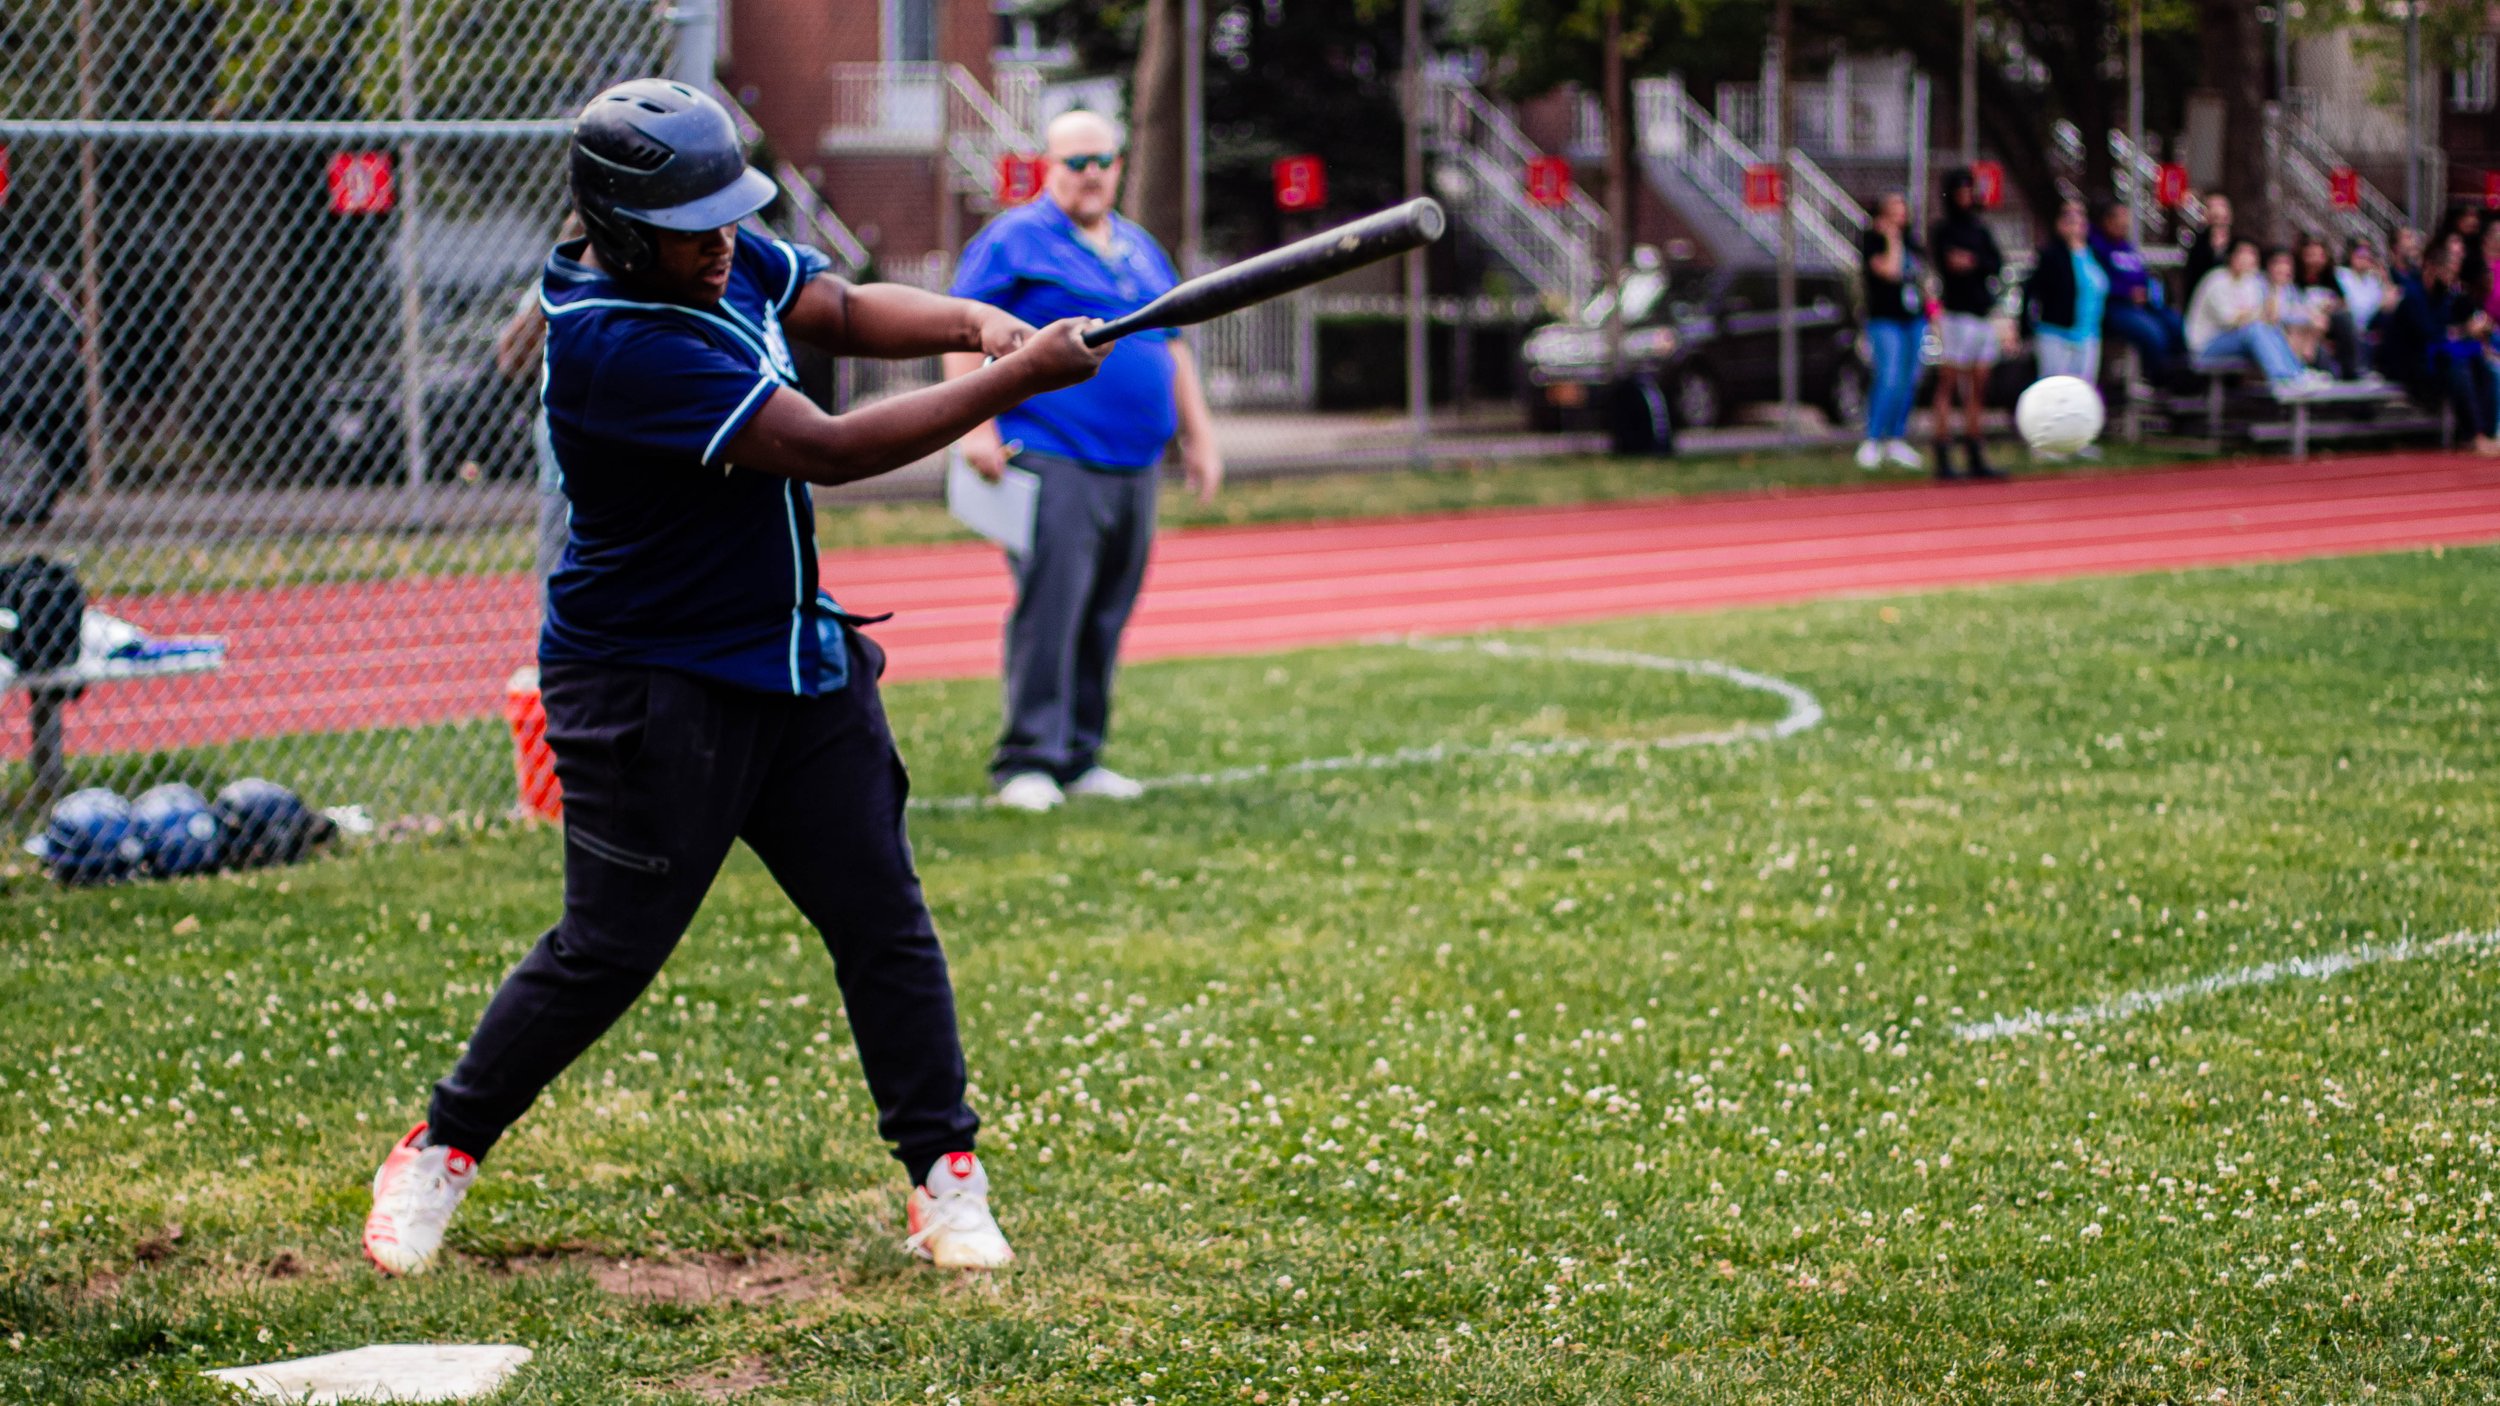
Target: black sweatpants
[
  {"x": 1092, "y": 532},
  {"x": 661, "y": 771}
]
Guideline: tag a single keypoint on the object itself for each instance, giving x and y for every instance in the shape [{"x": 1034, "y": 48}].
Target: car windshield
[{"x": 1642, "y": 288}]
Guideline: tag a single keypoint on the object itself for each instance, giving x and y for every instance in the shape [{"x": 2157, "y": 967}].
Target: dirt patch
[
  {"x": 707, "y": 1279},
  {"x": 283, "y": 1265},
  {"x": 157, "y": 1248},
  {"x": 728, "y": 1381}
]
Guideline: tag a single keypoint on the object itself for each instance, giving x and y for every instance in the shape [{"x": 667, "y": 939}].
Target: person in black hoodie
[
  {"x": 2207, "y": 249},
  {"x": 2065, "y": 297},
  {"x": 1967, "y": 255}
]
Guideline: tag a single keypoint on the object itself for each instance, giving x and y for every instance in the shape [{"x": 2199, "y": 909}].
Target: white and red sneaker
[
  {"x": 950, "y": 1217},
  {"x": 414, "y": 1195}
]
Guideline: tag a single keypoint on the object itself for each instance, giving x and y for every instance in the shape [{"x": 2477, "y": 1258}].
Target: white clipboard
[{"x": 1001, "y": 511}]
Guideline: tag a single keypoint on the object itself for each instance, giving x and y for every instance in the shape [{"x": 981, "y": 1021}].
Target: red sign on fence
[
  {"x": 2170, "y": 185},
  {"x": 2491, "y": 190},
  {"x": 1549, "y": 180},
  {"x": 2343, "y": 188},
  {"x": 1301, "y": 183},
  {"x": 1764, "y": 190},
  {"x": 361, "y": 184},
  {"x": 4, "y": 176},
  {"x": 1020, "y": 177},
  {"x": 1987, "y": 184}
]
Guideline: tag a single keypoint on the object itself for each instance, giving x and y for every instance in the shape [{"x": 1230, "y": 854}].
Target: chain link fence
[{"x": 255, "y": 261}]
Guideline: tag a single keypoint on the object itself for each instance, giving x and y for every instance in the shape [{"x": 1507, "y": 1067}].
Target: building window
[
  {"x": 911, "y": 30},
  {"x": 2470, "y": 84}
]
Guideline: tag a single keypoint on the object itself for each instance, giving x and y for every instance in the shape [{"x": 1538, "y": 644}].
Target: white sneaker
[
  {"x": 950, "y": 1219},
  {"x": 1870, "y": 455},
  {"x": 1898, "y": 451},
  {"x": 414, "y": 1195},
  {"x": 1030, "y": 791},
  {"x": 1110, "y": 785}
]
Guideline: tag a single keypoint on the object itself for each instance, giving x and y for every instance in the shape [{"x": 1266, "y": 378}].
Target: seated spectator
[
  {"x": 2365, "y": 284},
  {"x": 2433, "y": 345},
  {"x": 2481, "y": 275},
  {"x": 2288, "y": 308},
  {"x": 2207, "y": 248},
  {"x": 2065, "y": 297},
  {"x": 2227, "y": 318},
  {"x": 2404, "y": 254},
  {"x": 2136, "y": 313},
  {"x": 2314, "y": 272}
]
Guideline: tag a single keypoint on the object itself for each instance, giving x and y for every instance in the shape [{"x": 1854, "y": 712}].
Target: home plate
[{"x": 387, "y": 1372}]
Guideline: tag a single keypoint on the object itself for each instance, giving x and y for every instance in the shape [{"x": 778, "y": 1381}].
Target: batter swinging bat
[{"x": 1300, "y": 264}]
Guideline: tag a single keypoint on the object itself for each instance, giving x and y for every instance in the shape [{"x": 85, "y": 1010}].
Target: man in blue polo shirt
[
  {"x": 1095, "y": 448},
  {"x": 700, "y": 688}
]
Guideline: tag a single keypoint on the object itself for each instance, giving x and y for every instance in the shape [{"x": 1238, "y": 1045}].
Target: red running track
[{"x": 415, "y": 652}]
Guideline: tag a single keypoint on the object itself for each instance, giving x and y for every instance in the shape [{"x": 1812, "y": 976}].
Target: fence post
[
  {"x": 1305, "y": 349},
  {"x": 90, "y": 278},
  {"x": 694, "y": 47},
  {"x": 411, "y": 292}
]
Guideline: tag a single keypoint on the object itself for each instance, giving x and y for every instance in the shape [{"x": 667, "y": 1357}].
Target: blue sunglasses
[{"x": 1089, "y": 161}]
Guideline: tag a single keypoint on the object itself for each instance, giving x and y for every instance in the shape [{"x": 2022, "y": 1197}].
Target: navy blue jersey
[{"x": 676, "y": 558}]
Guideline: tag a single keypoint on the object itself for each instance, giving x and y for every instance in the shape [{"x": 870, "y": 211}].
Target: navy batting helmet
[
  {"x": 265, "y": 823},
  {"x": 177, "y": 828},
  {"x": 657, "y": 154},
  {"x": 87, "y": 839}
]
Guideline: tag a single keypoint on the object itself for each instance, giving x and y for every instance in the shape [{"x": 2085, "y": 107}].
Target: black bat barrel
[{"x": 1300, "y": 264}]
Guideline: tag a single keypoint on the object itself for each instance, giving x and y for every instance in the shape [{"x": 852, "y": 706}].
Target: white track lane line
[
  {"x": 2135, "y": 1003},
  {"x": 1804, "y": 711}
]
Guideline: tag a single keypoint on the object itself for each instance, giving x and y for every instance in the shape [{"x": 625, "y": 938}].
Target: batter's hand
[
  {"x": 1003, "y": 332},
  {"x": 1057, "y": 356}
]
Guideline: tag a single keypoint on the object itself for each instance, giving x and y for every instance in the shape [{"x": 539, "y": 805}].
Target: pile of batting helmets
[{"x": 96, "y": 837}]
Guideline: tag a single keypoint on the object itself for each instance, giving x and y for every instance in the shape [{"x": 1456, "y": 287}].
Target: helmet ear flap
[{"x": 624, "y": 245}]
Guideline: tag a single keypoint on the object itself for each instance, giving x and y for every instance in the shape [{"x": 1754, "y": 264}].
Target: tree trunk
[
  {"x": 1154, "y": 195},
  {"x": 2234, "y": 49}
]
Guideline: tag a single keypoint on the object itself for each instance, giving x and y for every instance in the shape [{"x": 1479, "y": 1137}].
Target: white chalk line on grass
[
  {"x": 1804, "y": 711},
  {"x": 2135, "y": 1003}
]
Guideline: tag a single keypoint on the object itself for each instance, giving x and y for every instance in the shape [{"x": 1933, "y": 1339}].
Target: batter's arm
[
  {"x": 790, "y": 437},
  {"x": 894, "y": 320}
]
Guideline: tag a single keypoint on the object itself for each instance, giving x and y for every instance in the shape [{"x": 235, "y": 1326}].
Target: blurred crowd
[{"x": 2417, "y": 318}]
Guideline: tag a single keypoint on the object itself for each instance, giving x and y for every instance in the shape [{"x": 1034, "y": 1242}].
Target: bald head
[
  {"x": 1084, "y": 177},
  {"x": 1077, "y": 130}
]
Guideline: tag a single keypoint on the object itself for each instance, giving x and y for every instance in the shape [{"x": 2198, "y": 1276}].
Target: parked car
[
  {"x": 43, "y": 406},
  {"x": 477, "y": 423},
  {"x": 1698, "y": 346}
]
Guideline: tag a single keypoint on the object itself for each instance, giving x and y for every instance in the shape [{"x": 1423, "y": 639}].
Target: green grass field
[{"x": 1539, "y": 1074}]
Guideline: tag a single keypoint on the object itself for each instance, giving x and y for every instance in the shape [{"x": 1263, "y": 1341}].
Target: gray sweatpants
[{"x": 1092, "y": 530}]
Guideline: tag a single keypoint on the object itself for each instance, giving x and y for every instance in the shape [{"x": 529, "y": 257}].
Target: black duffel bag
[{"x": 49, "y": 605}]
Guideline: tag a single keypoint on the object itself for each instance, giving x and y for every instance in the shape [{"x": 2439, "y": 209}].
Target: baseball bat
[{"x": 1300, "y": 264}]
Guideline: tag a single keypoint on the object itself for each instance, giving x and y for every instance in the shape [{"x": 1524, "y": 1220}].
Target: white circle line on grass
[
  {"x": 1804, "y": 711},
  {"x": 2135, "y": 1003}
]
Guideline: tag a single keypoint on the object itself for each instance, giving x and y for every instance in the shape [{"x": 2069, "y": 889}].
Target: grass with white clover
[{"x": 1598, "y": 1075}]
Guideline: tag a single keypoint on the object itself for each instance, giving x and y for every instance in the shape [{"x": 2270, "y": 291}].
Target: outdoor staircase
[
  {"x": 1697, "y": 165},
  {"x": 924, "y": 109},
  {"x": 1483, "y": 158},
  {"x": 2303, "y": 159}
]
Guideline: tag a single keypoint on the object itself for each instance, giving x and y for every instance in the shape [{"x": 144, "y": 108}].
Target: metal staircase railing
[
  {"x": 1555, "y": 247},
  {"x": 1672, "y": 127},
  {"x": 2303, "y": 161},
  {"x": 979, "y": 131},
  {"x": 2132, "y": 170},
  {"x": 926, "y": 109},
  {"x": 815, "y": 220}
]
